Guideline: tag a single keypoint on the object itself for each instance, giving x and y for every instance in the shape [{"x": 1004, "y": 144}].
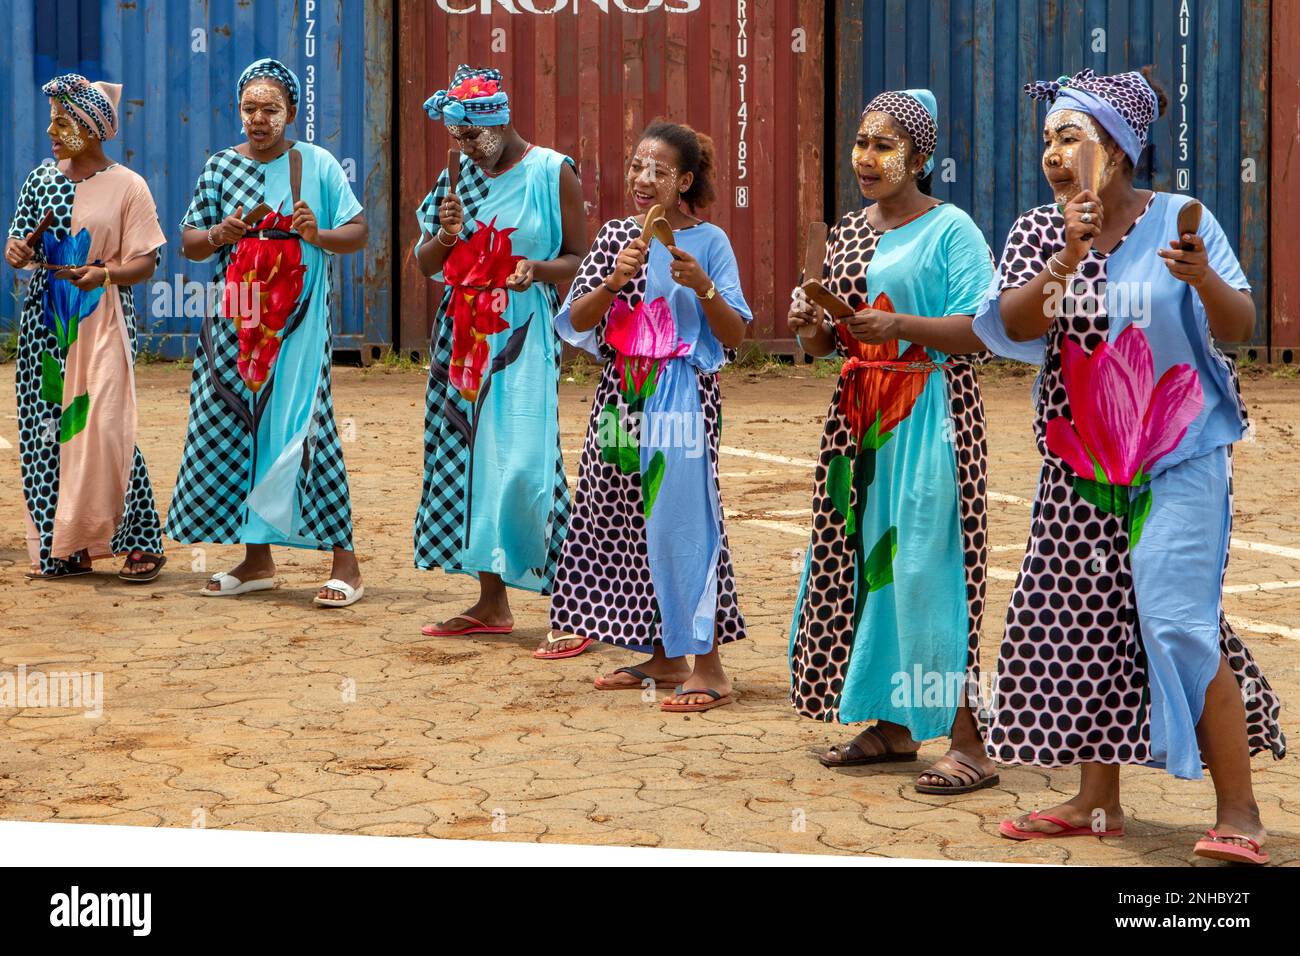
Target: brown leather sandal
[
  {"x": 855, "y": 756},
  {"x": 961, "y": 774}
]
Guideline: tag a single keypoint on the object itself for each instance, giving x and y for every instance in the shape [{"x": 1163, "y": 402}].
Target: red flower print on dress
[
  {"x": 477, "y": 270},
  {"x": 264, "y": 281},
  {"x": 880, "y": 388}
]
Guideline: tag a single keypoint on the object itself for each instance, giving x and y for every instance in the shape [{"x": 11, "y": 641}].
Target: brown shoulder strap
[{"x": 295, "y": 173}]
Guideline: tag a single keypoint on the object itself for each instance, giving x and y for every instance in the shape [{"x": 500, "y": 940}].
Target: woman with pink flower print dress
[
  {"x": 646, "y": 564},
  {"x": 1116, "y": 648}
]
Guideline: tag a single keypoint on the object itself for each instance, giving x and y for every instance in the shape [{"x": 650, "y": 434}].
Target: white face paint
[
  {"x": 482, "y": 144},
  {"x": 1063, "y": 133},
  {"x": 66, "y": 132},
  {"x": 881, "y": 155},
  {"x": 264, "y": 110},
  {"x": 653, "y": 176}
]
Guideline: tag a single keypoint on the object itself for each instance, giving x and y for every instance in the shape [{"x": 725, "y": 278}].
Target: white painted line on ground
[
  {"x": 1263, "y": 586},
  {"x": 1246, "y": 545},
  {"x": 1002, "y": 574},
  {"x": 1265, "y": 547},
  {"x": 764, "y": 456}
]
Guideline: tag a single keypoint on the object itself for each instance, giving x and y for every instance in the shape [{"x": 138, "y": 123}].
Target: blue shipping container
[
  {"x": 179, "y": 61},
  {"x": 1211, "y": 56}
]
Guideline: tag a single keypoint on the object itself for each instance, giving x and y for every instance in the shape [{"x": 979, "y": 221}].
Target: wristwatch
[{"x": 713, "y": 291}]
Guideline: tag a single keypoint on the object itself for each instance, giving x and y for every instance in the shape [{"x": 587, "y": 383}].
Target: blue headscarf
[
  {"x": 276, "y": 71},
  {"x": 1123, "y": 103},
  {"x": 474, "y": 98}
]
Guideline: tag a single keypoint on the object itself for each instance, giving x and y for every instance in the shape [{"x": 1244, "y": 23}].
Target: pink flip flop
[
  {"x": 475, "y": 627},
  {"x": 1012, "y": 832},
  {"x": 1215, "y": 848}
]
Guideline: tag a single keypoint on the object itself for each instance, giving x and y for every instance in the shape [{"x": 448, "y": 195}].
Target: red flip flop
[
  {"x": 542, "y": 655},
  {"x": 1012, "y": 832},
  {"x": 1215, "y": 848},
  {"x": 475, "y": 627}
]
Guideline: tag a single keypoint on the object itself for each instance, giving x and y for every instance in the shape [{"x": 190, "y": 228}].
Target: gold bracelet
[{"x": 108, "y": 279}]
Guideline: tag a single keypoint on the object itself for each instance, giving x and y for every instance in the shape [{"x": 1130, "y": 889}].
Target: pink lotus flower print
[
  {"x": 642, "y": 338},
  {"x": 1123, "y": 421}
]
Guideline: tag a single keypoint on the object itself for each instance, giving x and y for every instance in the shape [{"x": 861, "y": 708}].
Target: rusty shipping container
[
  {"x": 586, "y": 76},
  {"x": 1285, "y": 186}
]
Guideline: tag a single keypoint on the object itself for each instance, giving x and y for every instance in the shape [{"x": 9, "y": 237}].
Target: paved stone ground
[{"x": 269, "y": 714}]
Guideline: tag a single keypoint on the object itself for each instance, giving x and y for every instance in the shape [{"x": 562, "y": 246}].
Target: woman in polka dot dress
[
  {"x": 86, "y": 486},
  {"x": 1116, "y": 649},
  {"x": 886, "y": 625},
  {"x": 646, "y": 564}
]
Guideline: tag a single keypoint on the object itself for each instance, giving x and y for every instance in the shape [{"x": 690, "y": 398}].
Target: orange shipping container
[{"x": 586, "y": 76}]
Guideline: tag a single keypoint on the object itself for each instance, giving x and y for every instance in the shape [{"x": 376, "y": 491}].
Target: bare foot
[
  {"x": 961, "y": 769},
  {"x": 491, "y": 613},
  {"x": 1077, "y": 813},
  {"x": 252, "y": 568},
  {"x": 555, "y": 643},
  {"x": 345, "y": 568},
  {"x": 661, "y": 670}
]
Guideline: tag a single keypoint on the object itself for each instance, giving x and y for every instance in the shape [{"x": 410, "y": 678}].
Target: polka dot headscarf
[
  {"x": 917, "y": 113},
  {"x": 93, "y": 105},
  {"x": 1123, "y": 103}
]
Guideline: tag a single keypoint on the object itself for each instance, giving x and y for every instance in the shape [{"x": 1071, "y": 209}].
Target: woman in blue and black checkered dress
[{"x": 262, "y": 464}]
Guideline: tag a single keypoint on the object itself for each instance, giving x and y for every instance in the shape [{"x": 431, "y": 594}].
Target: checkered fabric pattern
[
  {"x": 323, "y": 482},
  {"x": 229, "y": 180},
  {"x": 213, "y": 483},
  {"x": 440, "y": 520},
  {"x": 208, "y": 504}
]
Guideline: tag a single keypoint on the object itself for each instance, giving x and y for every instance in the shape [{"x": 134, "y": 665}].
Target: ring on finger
[{"x": 1086, "y": 217}]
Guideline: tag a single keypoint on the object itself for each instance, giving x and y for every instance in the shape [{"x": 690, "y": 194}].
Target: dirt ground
[{"x": 267, "y": 713}]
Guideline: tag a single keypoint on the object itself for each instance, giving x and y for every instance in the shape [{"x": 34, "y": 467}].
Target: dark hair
[
  {"x": 695, "y": 154},
  {"x": 926, "y": 184},
  {"x": 1162, "y": 99}
]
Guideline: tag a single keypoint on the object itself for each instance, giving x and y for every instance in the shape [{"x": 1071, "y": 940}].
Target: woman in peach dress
[{"x": 85, "y": 483}]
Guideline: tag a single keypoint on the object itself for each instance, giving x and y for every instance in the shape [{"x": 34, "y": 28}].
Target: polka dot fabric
[
  {"x": 602, "y": 585},
  {"x": 1072, "y": 674},
  {"x": 1129, "y": 93},
  {"x": 911, "y": 115},
  {"x": 824, "y": 620},
  {"x": 47, "y": 189}
]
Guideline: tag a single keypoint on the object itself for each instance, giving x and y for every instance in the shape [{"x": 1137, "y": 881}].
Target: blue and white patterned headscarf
[
  {"x": 276, "y": 71},
  {"x": 917, "y": 112},
  {"x": 93, "y": 105},
  {"x": 1123, "y": 103},
  {"x": 474, "y": 98}
]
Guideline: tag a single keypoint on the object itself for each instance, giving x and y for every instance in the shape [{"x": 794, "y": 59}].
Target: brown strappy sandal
[
  {"x": 855, "y": 756},
  {"x": 963, "y": 776}
]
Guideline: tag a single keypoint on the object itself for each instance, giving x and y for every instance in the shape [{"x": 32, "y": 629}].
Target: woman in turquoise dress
[
  {"x": 262, "y": 463},
  {"x": 495, "y": 502},
  {"x": 646, "y": 565},
  {"x": 1116, "y": 649},
  {"x": 886, "y": 626}
]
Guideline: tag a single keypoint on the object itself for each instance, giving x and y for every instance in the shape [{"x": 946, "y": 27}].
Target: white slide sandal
[
  {"x": 350, "y": 595},
  {"x": 231, "y": 586}
]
